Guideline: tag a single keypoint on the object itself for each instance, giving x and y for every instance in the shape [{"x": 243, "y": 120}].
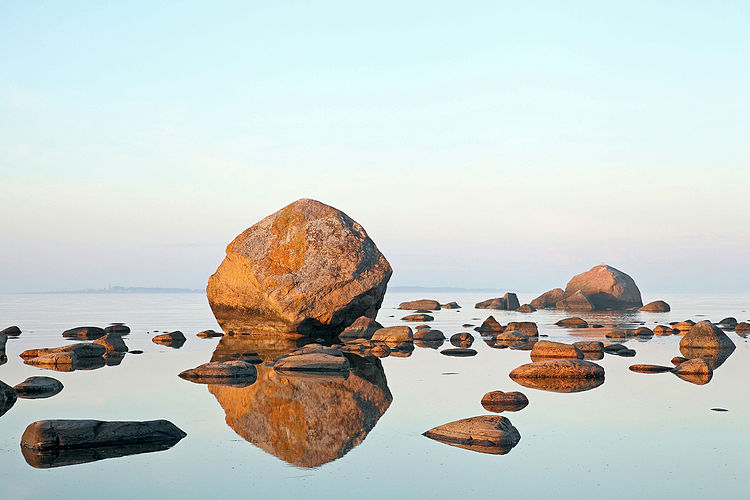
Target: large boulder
[
  {"x": 306, "y": 269},
  {"x": 486, "y": 433},
  {"x": 606, "y": 288}
]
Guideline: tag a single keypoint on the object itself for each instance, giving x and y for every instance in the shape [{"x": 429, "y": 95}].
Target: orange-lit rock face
[
  {"x": 307, "y": 420},
  {"x": 606, "y": 287},
  {"x": 306, "y": 268}
]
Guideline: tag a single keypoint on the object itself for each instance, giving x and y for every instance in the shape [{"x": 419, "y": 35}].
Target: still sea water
[{"x": 637, "y": 435}]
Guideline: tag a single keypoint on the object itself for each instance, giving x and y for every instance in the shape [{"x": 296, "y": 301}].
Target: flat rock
[
  {"x": 314, "y": 359},
  {"x": 458, "y": 352},
  {"x": 82, "y": 350},
  {"x": 219, "y": 372},
  {"x": 728, "y": 323},
  {"x": 84, "y": 333},
  {"x": 209, "y": 334},
  {"x": 65, "y": 434},
  {"x": 418, "y": 317},
  {"x": 499, "y": 401},
  {"x": 11, "y": 331},
  {"x": 605, "y": 288},
  {"x": 573, "y": 322},
  {"x": 548, "y": 300},
  {"x": 427, "y": 304},
  {"x": 487, "y": 433},
  {"x": 559, "y": 368},
  {"x": 644, "y": 368},
  {"x": 38, "y": 388},
  {"x": 308, "y": 269},
  {"x": 362, "y": 328},
  {"x": 393, "y": 335},
  {"x": 577, "y": 301},
  {"x": 549, "y": 349},
  {"x": 657, "y": 306}
]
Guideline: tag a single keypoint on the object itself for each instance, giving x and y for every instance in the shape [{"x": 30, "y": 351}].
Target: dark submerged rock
[
  {"x": 117, "y": 328},
  {"x": 458, "y": 352},
  {"x": 644, "y": 368}
]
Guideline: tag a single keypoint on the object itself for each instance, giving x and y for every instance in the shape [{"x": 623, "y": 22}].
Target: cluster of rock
[
  {"x": 105, "y": 350},
  {"x": 601, "y": 288}
]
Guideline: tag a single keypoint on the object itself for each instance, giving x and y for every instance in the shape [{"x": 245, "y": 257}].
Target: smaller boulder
[
  {"x": 742, "y": 327},
  {"x": 83, "y": 350},
  {"x": 696, "y": 371},
  {"x": 589, "y": 347},
  {"x": 492, "y": 434},
  {"x": 462, "y": 339},
  {"x": 450, "y": 305},
  {"x": 663, "y": 330},
  {"x": 222, "y": 372},
  {"x": 683, "y": 326},
  {"x": 496, "y": 303},
  {"x": 528, "y": 328},
  {"x": 490, "y": 325},
  {"x": 11, "y": 331},
  {"x": 429, "y": 304},
  {"x": 426, "y": 334},
  {"x": 362, "y": 328},
  {"x": 657, "y": 306},
  {"x": 728, "y": 323},
  {"x": 84, "y": 333},
  {"x": 120, "y": 328},
  {"x": 705, "y": 335},
  {"x": 112, "y": 342},
  {"x": 38, "y": 388},
  {"x": 393, "y": 335},
  {"x": 578, "y": 301},
  {"x": 313, "y": 358},
  {"x": 458, "y": 352},
  {"x": 549, "y": 349},
  {"x": 418, "y": 317},
  {"x": 526, "y": 308},
  {"x": 174, "y": 339},
  {"x": 573, "y": 322},
  {"x": 499, "y": 401},
  {"x": 209, "y": 334}
]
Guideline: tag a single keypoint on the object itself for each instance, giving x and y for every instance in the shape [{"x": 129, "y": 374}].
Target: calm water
[{"x": 636, "y": 435}]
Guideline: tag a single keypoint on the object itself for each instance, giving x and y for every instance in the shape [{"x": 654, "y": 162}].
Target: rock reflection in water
[
  {"x": 248, "y": 346},
  {"x": 713, "y": 355},
  {"x": 307, "y": 420},
  {"x": 562, "y": 385},
  {"x": 64, "y": 457}
]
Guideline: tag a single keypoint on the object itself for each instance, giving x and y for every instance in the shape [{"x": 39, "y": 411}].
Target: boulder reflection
[
  {"x": 64, "y": 457},
  {"x": 561, "y": 385},
  {"x": 305, "y": 419}
]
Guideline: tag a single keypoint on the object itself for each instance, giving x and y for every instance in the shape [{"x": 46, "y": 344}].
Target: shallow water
[{"x": 637, "y": 434}]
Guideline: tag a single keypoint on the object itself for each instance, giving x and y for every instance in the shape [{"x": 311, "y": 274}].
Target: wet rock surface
[
  {"x": 487, "y": 434},
  {"x": 38, "y": 388}
]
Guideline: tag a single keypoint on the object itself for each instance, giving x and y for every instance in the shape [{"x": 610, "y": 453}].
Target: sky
[{"x": 481, "y": 144}]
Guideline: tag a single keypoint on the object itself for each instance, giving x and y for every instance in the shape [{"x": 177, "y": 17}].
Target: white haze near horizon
[{"x": 495, "y": 145}]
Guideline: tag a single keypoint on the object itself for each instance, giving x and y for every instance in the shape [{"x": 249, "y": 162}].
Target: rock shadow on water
[
  {"x": 307, "y": 419},
  {"x": 63, "y": 457}
]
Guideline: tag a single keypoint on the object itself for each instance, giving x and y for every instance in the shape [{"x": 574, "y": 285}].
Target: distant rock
[
  {"x": 499, "y": 401},
  {"x": 38, "y": 388},
  {"x": 657, "y": 306},
  {"x": 574, "y": 322},
  {"x": 450, "y": 305},
  {"x": 458, "y": 352},
  {"x": 117, "y": 328},
  {"x": 112, "y": 342},
  {"x": 526, "y": 308},
  {"x": 7, "y": 398},
  {"x": 362, "y": 328},
  {"x": 528, "y": 328},
  {"x": 728, "y": 323},
  {"x": 308, "y": 269},
  {"x": 48, "y": 435},
  {"x": 508, "y": 302},
  {"x": 313, "y": 358},
  {"x": 577, "y": 301},
  {"x": 549, "y": 349},
  {"x": 706, "y": 335},
  {"x": 84, "y": 333},
  {"x": 222, "y": 372},
  {"x": 490, "y": 325},
  {"x": 548, "y": 300},
  {"x": 742, "y": 327},
  {"x": 428, "y": 304},
  {"x": 174, "y": 339},
  {"x": 462, "y": 339},
  {"x": 605, "y": 288},
  {"x": 492, "y": 434},
  {"x": 393, "y": 335},
  {"x": 418, "y": 317},
  {"x": 209, "y": 334},
  {"x": 643, "y": 332},
  {"x": 11, "y": 331},
  {"x": 650, "y": 368}
]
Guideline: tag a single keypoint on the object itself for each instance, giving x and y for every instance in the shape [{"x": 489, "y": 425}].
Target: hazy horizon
[{"x": 491, "y": 145}]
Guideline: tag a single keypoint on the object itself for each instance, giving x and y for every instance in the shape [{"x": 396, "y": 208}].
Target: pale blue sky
[{"x": 481, "y": 144}]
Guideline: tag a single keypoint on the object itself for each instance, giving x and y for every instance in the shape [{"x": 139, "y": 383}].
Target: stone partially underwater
[
  {"x": 308, "y": 269},
  {"x": 491, "y": 434},
  {"x": 308, "y": 419}
]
